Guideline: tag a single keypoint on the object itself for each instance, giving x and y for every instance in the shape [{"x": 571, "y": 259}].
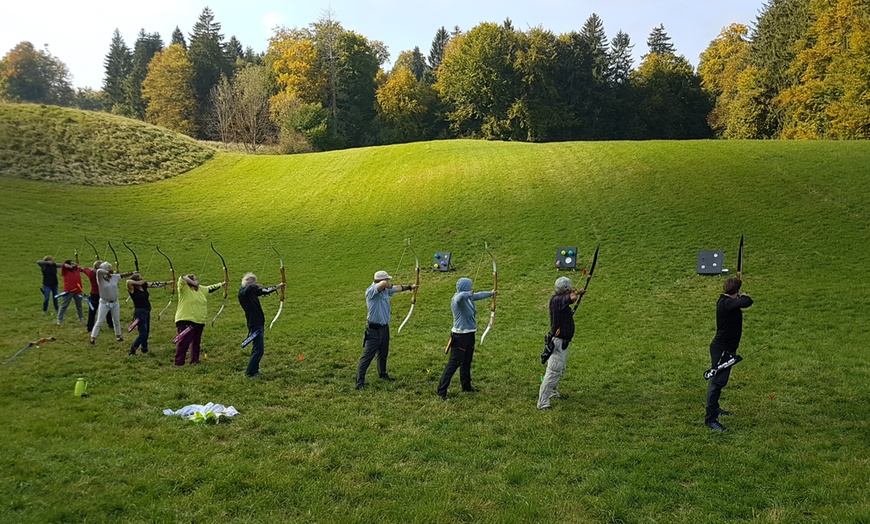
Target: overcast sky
[{"x": 79, "y": 33}]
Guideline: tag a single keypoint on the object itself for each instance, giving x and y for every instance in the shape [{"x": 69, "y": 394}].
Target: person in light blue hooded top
[{"x": 462, "y": 336}]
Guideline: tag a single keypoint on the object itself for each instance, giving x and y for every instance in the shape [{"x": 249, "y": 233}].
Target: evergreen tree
[
  {"x": 779, "y": 33},
  {"x": 620, "y": 61},
  {"x": 659, "y": 42},
  {"x": 178, "y": 38},
  {"x": 436, "y": 52},
  {"x": 147, "y": 45},
  {"x": 206, "y": 52},
  {"x": 412, "y": 61},
  {"x": 118, "y": 64},
  {"x": 235, "y": 51}
]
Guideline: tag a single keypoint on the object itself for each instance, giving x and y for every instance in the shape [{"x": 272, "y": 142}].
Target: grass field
[{"x": 626, "y": 445}]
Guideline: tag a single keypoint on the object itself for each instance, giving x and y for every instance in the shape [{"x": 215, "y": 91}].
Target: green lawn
[{"x": 626, "y": 445}]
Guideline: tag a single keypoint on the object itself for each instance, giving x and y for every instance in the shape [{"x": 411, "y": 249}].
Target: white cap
[{"x": 382, "y": 275}]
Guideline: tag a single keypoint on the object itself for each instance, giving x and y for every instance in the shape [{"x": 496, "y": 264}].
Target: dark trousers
[
  {"x": 144, "y": 325},
  {"x": 92, "y": 313},
  {"x": 48, "y": 293},
  {"x": 719, "y": 380},
  {"x": 191, "y": 340},
  {"x": 256, "y": 351},
  {"x": 461, "y": 353},
  {"x": 376, "y": 342}
]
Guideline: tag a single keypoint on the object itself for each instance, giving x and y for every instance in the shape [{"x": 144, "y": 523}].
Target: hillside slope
[
  {"x": 625, "y": 444},
  {"x": 70, "y": 146}
]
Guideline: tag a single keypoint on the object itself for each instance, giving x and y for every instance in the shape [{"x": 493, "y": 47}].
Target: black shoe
[
  {"x": 716, "y": 426},
  {"x": 443, "y": 396},
  {"x": 387, "y": 378},
  {"x": 723, "y": 413},
  {"x": 361, "y": 387},
  {"x": 470, "y": 390},
  {"x": 144, "y": 350}
]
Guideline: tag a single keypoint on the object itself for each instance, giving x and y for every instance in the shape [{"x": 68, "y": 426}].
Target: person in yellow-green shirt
[{"x": 190, "y": 316}]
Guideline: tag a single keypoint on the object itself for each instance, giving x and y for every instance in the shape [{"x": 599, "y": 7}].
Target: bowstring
[{"x": 401, "y": 258}]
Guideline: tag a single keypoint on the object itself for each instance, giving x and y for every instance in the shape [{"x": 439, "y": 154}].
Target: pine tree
[
  {"x": 659, "y": 42},
  {"x": 436, "y": 52},
  {"x": 178, "y": 38},
  {"x": 621, "y": 63},
  {"x": 147, "y": 45},
  {"x": 206, "y": 52},
  {"x": 235, "y": 51},
  {"x": 118, "y": 64}
]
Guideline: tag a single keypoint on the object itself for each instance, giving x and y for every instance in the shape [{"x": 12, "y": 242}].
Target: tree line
[{"x": 801, "y": 71}]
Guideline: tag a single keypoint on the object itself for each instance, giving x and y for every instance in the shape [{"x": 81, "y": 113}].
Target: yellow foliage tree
[
  {"x": 168, "y": 91},
  {"x": 832, "y": 99},
  {"x": 720, "y": 68}
]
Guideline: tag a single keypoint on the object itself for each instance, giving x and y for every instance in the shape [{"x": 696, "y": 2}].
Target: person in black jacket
[
  {"x": 138, "y": 290},
  {"x": 249, "y": 298},
  {"x": 729, "y": 329}
]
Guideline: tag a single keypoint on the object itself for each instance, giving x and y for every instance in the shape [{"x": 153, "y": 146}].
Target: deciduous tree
[
  {"x": 31, "y": 75},
  {"x": 168, "y": 91}
]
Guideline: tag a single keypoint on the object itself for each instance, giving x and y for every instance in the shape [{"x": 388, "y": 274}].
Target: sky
[{"x": 79, "y": 32}]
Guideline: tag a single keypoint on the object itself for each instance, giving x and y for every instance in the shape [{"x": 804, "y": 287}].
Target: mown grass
[
  {"x": 626, "y": 445},
  {"x": 69, "y": 146}
]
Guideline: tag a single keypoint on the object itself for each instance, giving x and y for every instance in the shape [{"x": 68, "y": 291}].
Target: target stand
[
  {"x": 566, "y": 257},
  {"x": 710, "y": 262},
  {"x": 441, "y": 261}
]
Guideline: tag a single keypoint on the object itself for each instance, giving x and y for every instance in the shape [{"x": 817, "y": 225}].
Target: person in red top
[
  {"x": 72, "y": 289},
  {"x": 94, "y": 297}
]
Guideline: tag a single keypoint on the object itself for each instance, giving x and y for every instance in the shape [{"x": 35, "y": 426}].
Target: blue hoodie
[{"x": 462, "y": 304}]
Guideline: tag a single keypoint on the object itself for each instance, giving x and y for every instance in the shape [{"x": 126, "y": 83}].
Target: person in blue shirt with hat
[{"x": 377, "y": 336}]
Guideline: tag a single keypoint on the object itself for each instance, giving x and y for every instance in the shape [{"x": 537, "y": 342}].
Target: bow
[
  {"x": 283, "y": 281},
  {"x": 36, "y": 343},
  {"x": 117, "y": 265},
  {"x": 740, "y": 260},
  {"x": 172, "y": 271},
  {"x": 589, "y": 276},
  {"x": 494, "y": 288},
  {"x": 416, "y": 283},
  {"x": 77, "y": 256},
  {"x": 135, "y": 258},
  {"x": 226, "y": 284},
  {"x": 96, "y": 255}
]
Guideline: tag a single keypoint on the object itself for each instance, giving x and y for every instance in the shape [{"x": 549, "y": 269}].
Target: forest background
[{"x": 801, "y": 71}]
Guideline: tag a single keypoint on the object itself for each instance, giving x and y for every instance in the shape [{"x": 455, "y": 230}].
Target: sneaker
[
  {"x": 132, "y": 353},
  {"x": 120, "y": 339},
  {"x": 387, "y": 378},
  {"x": 716, "y": 426},
  {"x": 361, "y": 387},
  {"x": 723, "y": 413},
  {"x": 93, "y": 340},
  {"x": 443, "y": 396},
  {"x": 255, "y": 375},
  {"x": 144, "y": 350},
  {"x": 470, "y": 390},
  {"x": 545, "y": 407}
]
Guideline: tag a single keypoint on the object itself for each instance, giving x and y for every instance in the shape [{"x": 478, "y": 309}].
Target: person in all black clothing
[
  {"x": 562, "y": 330},
  {"x": 49, "y": 281},
  {"x": 729, "y": 328},
  {"x": 138, "y": 290},
  {"x": 249, "y": 298}
]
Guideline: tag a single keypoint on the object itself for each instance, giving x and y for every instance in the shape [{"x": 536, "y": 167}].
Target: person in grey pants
[{"x": 562, "y": 331}]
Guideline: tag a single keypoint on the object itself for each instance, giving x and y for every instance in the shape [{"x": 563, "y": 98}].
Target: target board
[
  {"x": 710, "y": 262},
  {"x": 566, "y": 257},
  {"x": 441, "y": 261}
]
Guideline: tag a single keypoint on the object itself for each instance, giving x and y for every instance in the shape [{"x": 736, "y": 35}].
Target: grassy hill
[
  {"x": 70, "y": 146},
  {"x": 626, "y": 445}
]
